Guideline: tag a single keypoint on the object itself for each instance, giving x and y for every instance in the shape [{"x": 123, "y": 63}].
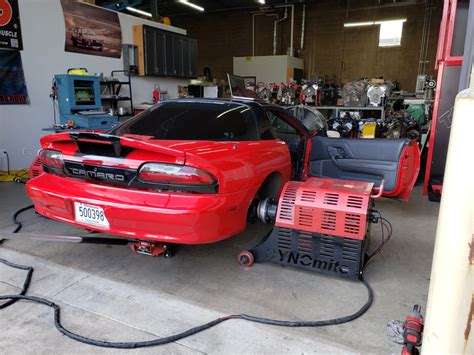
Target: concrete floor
[{"x": 107, "y": 292}]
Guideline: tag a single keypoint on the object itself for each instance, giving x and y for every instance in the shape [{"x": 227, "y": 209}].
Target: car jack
[{"x": 151, "y": 248}]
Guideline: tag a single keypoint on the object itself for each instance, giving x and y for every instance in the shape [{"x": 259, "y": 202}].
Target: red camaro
[{"x": 190, "y": 171}]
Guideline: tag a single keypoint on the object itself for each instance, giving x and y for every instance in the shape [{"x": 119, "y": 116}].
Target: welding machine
[
  {"x": 79, "y": 102},
  {"x": 321, "y": 225}
]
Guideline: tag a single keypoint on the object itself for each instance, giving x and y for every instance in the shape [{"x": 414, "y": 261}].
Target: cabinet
[
  {"x": 159, "y": 54},
  {"x": 154, "y": 62},
  {"x": 169, "y": 55},
  {"x": 192, "y": 58},
  {"x": 177, "y": 56},
  {"x": 163, "y": 53}
]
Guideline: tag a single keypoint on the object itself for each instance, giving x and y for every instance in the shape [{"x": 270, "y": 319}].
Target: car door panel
[{"x": 396, "y": 161}]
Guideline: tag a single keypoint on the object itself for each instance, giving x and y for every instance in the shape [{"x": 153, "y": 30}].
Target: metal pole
[
  {"x": 154, "y": 9},
  {"x": 292, "y": 28},
  {"x": 303, "y": 18},
  {"x": 253, "y": 35},
  {"x": 275, "y": 28},
  {"x": 292, "y": 25},
  {"x": 449, "y": 316},
  {"x": 253, "y": 26}
]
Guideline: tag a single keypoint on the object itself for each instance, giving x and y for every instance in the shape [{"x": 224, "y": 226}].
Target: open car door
[{"x": 396, "y": 161}]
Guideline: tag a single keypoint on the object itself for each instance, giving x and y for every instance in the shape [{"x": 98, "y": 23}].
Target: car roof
[
  {"x": 216, "y": 100},
  {"x": 251, "y": 103}
]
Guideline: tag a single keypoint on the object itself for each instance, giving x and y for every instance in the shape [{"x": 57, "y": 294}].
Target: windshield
[{"x": 193, "y": 120}]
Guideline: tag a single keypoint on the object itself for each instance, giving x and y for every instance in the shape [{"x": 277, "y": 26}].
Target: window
[
  {"x": 283, "y": 129},
  {"x": 390, "y": 33},
  {"x": 193, "y": 120}
]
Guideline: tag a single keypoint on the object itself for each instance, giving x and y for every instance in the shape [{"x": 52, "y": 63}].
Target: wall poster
[
  {"x": 91, "y": 29},
  {"x": 12, "y": 81}
]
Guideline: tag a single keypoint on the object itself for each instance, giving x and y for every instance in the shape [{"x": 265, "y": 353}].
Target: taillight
[
  {"x": 52, "y": 159},
  {"x": 172, "y": 174}
]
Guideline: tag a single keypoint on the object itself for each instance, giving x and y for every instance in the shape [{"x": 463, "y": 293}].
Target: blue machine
[{"x": 79, "y": 101}]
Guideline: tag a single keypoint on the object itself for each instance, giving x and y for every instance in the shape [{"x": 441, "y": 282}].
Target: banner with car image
[{"x": 91, "y": 29}]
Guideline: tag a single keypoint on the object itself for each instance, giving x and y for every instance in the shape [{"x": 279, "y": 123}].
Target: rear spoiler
[{"x": 119, "y": 146}]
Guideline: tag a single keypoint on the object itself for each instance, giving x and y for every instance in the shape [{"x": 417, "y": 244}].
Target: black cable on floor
[
  {"x": 19, "y": 225},
  {"x": 172, "y": 338},
  {"x": 26, "y": 283},
  {"x": 384, "y": 223}
]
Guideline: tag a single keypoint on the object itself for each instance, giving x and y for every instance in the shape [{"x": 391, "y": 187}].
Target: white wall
[
  {"x": 43, "y": 56},
  {"x": 267, "y": 68}
]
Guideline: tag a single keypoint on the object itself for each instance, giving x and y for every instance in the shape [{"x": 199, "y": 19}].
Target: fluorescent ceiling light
[
  {"x": 370, "y": 23},
  {"x": 190, "y": 4},
  {"x": 357, "y": 24},
  {"x": 261, "y": 2},
  {"x": 140, "y": 12},
  {"x": 388, "y": 21}
]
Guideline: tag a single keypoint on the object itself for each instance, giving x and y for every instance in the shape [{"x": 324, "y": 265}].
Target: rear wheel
[
  {"x": 252, "y": 211},
  {"x": 269, "y": 188}
]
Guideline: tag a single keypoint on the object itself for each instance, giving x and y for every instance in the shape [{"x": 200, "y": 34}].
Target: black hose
[
  {"x": 26, "y": 283},
  {"x": 169, "y": 339},
  {"x": 318, "y": 323},
  {"x": 19, "y": 225},
  {"x": 383, "y": 223},
  {"x": 15, "y": 216}
]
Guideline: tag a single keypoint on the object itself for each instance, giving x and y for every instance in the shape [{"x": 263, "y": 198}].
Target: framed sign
[{"x": 10, "y": 30}]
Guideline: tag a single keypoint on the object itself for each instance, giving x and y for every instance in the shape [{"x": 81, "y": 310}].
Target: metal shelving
[{"x": 110, "y": 91}]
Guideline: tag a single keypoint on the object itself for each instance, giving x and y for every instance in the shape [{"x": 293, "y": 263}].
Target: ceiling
[{"x": 175, "y": 8}]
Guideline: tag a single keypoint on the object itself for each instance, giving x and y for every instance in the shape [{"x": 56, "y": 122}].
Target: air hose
[{"x": 169, "y": 339}]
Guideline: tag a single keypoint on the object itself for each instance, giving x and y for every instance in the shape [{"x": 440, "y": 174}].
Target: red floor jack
[
  {"x": 412, "y": 332},
  {"x": 321, "y": 225}
]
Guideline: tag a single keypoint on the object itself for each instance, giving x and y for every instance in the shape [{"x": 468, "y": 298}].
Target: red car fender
[{"x": 243, "y": 165}]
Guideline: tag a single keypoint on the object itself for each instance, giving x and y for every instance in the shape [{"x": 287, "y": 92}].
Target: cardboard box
[{"x": 378, "y": 81}]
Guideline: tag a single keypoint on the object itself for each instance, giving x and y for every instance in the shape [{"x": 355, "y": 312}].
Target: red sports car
[{"x": 189, "y": 171}]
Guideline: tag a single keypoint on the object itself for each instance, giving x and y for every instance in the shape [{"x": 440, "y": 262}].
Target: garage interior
[{"x": 93, "y": 75}]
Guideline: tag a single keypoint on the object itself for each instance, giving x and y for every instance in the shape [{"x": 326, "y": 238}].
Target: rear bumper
[{"x": 146, "y": 215}]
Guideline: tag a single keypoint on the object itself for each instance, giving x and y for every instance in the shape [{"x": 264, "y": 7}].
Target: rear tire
[{"x": 269, "y": 188}]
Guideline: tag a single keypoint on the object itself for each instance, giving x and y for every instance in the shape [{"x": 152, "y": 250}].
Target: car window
[
  {"x": 194, "y": 120},
  {"x": 280, "y": 126},
  {"x": 283, "y": 130}
]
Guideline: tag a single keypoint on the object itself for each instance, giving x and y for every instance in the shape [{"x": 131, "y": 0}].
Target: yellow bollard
[{"x": 449, "y": 323}]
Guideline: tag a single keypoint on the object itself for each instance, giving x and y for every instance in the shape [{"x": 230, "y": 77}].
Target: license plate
[{"x": 91, "y": 215}]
